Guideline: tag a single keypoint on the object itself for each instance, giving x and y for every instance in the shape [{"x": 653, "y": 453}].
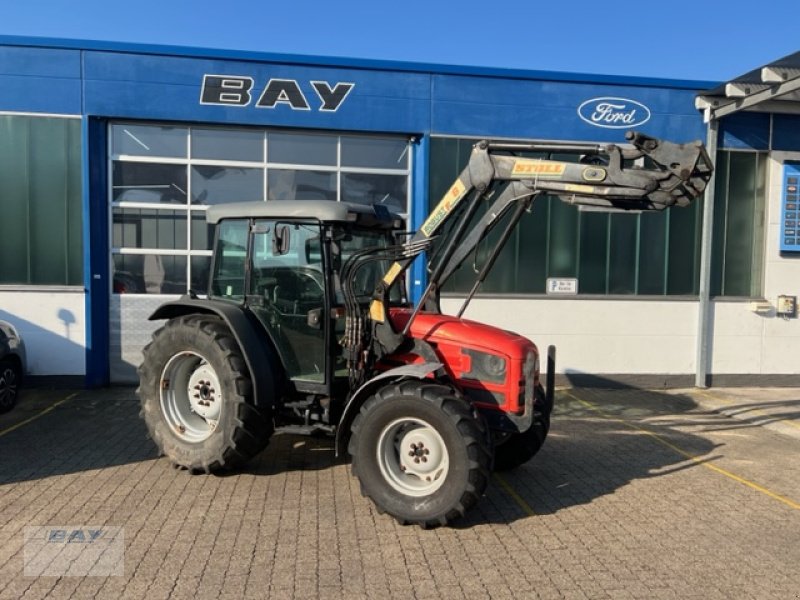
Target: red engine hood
[{"x": 445, "y": 328}]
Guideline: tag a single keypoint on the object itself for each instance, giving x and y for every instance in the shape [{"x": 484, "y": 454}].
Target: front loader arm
[{"x": 604, "y": 179}]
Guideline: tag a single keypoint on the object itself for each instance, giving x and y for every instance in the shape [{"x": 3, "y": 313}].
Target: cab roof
[{"x": 319, "y": 210}]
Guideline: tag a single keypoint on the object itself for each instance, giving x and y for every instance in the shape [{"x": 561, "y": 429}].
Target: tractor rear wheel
[
  {"x": 518, "y": 448},
  {"x": 196, "y": 396},
  {"x": 420, "y": 453}
]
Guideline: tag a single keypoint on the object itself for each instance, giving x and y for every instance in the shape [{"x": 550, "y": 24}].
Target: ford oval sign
[{"x": 614, "y": 113}]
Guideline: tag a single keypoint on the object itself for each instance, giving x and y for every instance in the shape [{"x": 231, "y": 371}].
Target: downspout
[{"x": 704, "y": 300}]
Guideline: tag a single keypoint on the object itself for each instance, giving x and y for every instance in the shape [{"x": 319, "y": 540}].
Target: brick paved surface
[{"x": 622, "y": 511}]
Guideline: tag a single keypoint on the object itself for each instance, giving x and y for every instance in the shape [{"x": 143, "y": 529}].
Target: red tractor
[{"x": 306, "y": 328}]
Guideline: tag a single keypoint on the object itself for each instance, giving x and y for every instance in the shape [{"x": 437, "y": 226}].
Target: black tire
[
  {"x": 403, "y": 416},
  {"x": 518, "y": 448},
  {"x": 200, "y": 350},
  {"x": 10, "y": 377}
]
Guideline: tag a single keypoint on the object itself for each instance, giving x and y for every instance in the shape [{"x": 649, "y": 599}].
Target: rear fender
[
  {"x": 415, "y": 371},
  {"x": 259, "y": 354}
]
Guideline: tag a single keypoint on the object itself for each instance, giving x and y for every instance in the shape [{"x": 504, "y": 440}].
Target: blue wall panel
[
  {"x": 40, "y": 80},
  {"x": 160, "y": 87},
  {"x": 745, "y": 131},
  {"x": 786, "y": 133},
  {"x": 538, "y": 109}
]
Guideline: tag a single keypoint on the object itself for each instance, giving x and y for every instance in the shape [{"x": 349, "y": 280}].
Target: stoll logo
[{"x": 614, "y": 113}]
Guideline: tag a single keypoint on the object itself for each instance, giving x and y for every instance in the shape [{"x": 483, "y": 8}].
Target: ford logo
[{"x": 614, "y": 113}]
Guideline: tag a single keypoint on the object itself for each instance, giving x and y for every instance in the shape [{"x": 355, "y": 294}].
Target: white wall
[
  {"x": 52, "y": 325},
  {"x": 599, "y": 336}
]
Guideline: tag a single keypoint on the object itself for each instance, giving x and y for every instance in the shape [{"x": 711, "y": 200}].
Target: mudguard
[
  {"x": 415, "y": 371},
  {"x": 259, "y": 355}
]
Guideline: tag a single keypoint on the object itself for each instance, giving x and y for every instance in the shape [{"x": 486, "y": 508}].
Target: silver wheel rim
[
  {"x": 191, "y": 397},
  {"x": 413, "y": 457},
  {"x": 8, "y": 387}
]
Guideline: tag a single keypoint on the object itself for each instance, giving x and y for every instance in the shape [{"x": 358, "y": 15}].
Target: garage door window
[{"x": 164, "y": 178}]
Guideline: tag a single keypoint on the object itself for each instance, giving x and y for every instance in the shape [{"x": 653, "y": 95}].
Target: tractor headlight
[{"x": 486, "y": 367}]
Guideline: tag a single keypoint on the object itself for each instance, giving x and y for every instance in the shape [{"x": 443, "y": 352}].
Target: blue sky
[{"x": 679, "y": 39}]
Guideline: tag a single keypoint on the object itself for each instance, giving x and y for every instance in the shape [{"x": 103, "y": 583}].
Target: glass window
[
  {"x": 149, "y": 140},
  {"x": 175, "y": 192},
  {"x": 287, "y": 276},
  {"x": 292, "y": 184},
  {"x": 228, "y": 144},
  {"x": 375, "y": 153},
  {"x": 149, "y": 274},
  {"x": 202, "y": 233},
  {"x": 230, "y": 261},
  {"x": 302, "y": 149},
  {"x": 148, "y": 228},
  {"x": 738, "y": 242},
  {"x": 41, "y": 197},
  {"x": 369, "y": 188},
  {"x": 619, "y": 254},
  {"x": 212, "y": 184},
  {"x": 151, "y": 183}
]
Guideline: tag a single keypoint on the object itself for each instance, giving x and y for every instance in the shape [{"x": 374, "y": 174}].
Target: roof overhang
[{"x": 773, "y": 88}]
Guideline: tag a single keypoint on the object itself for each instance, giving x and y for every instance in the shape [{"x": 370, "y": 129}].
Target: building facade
[{"x": 110, "y": 154}]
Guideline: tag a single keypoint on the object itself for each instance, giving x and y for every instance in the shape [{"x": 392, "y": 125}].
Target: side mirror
[{"x": 281, "y": 240}]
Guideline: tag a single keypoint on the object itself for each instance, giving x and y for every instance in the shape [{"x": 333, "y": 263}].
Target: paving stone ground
[{"x": 637, "y": 494}]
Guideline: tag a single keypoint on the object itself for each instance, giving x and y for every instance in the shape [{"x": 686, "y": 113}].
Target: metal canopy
[{"x": 773, "y": 88}]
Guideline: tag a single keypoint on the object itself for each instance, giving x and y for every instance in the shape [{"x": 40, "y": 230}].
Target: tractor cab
[{"x": 284, "y": 262}]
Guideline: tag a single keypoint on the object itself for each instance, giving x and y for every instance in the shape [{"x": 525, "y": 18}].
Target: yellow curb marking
[
  {"x": 696, "y": 460},
  {"x": 36, "y": 416},
  {"x": 754, "y": 411},
  {"x": 526, "y": 508}
]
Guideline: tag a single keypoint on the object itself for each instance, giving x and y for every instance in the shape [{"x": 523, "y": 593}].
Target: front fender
[
  {"x": 415, "y": 371},
  {"x": 259, "y": 355}
]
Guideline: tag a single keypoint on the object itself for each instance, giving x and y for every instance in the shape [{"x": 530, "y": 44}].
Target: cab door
[{"x": 286, "y": 292}]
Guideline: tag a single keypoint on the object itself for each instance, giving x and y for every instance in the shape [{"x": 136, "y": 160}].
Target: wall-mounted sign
[
  {"x": 235, "y": 90},
  {"x": 614, "y": 113},
  {"x": 562, "y": 286}
]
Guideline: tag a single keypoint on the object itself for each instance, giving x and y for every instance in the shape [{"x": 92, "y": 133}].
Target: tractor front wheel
[{"x": 420, "y": 453}]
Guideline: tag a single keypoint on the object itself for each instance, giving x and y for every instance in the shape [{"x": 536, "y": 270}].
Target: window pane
[
  {"x": 720, "y": 210},
  {"x": 594, "y": 253},
  {"x": 563, "y": 240},
  {"x": 739, "y": 226},
  {"x": 532, "y": 247},
  {"x": 227, "y": 144},
  {"x": 364, "y": 188},
  {"x": 652, "y": 252},
  {"x": 622, "y": 254},
  {"x": 231, "y": 258},
  {"x": 149, "y": 274},
  {"x": 202, "y": 232},
  {"x": 684, "y": 249},
  {"x": 220, "y": 185},
  {"x": 149, "y": 228},
  {"x": 149, "y": 182},
  {"x": 376, "y": 153},
  {"x": 149, "y": 140},
  {"x": 41, "y": 223},
  {"x": 301, "y": 149},
  {"x": 289, "y": 184},
  {"x": 201, "y": 268}
]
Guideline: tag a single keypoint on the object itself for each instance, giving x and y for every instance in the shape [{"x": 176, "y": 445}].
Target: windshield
[{"x": 349, "y": 241}]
